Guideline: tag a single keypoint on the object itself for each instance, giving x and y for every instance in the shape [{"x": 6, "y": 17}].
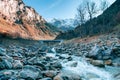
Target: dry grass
[
  {"x": 83, "y": 40},
  {"x": 27, "y": 32}
]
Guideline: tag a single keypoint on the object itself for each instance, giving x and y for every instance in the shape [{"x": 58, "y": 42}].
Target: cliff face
[{"x": 19, "y": 20}]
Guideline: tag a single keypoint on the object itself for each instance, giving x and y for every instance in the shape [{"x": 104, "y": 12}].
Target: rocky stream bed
[{"x": 33, "y": 60}]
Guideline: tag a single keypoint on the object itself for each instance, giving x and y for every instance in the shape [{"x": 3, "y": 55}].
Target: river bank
[{"x": 32, "y": 60}]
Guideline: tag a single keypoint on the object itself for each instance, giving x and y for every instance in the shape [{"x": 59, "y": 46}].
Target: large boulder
[
  {"x": 50, "y": 74},
  {"x": 67, "y": 76},
  {"x": 5, "y": 64},
  {"x": 2, "y": 52},
  {"x": 17, "y": 64},
  {"x": 8, "y": 74},
  {"x": 98, "y": 63},
  {"x": 94, "y": 52},
  {"x": 30, "y": 72},
  {"x": 100, "y": 52},
  {"x": 56, "y": 65},
  {"x": 115, "y": 51}
]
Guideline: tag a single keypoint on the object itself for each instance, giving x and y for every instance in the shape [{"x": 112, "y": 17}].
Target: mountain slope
[
  {"x": 64, "y": 24},
  {"x": 104, "y": 23},
  {"x": 20, "y": 21}
]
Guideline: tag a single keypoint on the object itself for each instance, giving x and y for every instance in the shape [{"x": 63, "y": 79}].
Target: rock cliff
[{"x": 20, "y": 21}]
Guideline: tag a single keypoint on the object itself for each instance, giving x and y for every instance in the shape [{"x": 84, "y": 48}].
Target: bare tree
[
  {"x": 91, "y": 9},
  {"x": 81, "y": 13},
  {"x": 104, "y": 5},
  {"x": 85, "y": 9}
]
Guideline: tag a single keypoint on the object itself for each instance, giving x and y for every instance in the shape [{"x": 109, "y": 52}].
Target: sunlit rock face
[
  {"x": 15, "y": 9},
  {"x": 29, "y": 23}
]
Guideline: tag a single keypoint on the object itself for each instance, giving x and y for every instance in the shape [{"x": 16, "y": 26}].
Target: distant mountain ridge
[
  {"x": 19, "y": 20},
  {"x": 64, "y": 24},
  {"x": 105, "y": 23}
]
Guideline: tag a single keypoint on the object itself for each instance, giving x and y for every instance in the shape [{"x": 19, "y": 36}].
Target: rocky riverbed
[{"x": 33, "y": 60}]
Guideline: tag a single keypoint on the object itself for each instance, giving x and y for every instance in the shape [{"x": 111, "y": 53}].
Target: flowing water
[
  {"x": 79, "y": 66},
  {"x": 85, "y": 70}
]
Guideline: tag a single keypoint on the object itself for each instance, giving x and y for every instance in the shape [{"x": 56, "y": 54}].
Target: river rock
[
  {"x": 43, "y": 48},
  {"x": 73, "y": 64},
  {"x": 59, "y": 50},
  {"x": 116, "y": 64},
  {"x": 32, "y": 60},
  {"x": 106, "y": 57},
  {"x": 70, "y": 58},
  {"x": 5, "y": 64},
  {"x": 98, "y": 63},
  {"x": 115, "y": 52},
  {"x": 41, "y": 53},
  {"x": 56, "y": 65},
  {"x": 67, "y": 76},
  {"x": 50, "y": 74},
  {"x": 108, "y": 62},
  {"x": 8, "y": 74},
  {"x": 2, "y": 52},
  {"x": 41, "y": 65},
  {"x": 17, "y": 64},
  {"x": 30, "y": 72},
  {"x": 91, "y": 76},
  {"x": 95, "y": 52}
]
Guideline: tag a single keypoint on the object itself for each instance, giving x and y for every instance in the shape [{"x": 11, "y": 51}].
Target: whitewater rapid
[{"x": 79, "y": 66}]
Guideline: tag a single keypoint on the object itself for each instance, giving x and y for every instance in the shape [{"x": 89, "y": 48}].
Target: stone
[
  {"x": 98, "y": 63},
  {"x": 17, "y": 64},
  {"x": 58, "y": 77},
  {"x": 116, "y": 64},
  {"x": 106, "y": 57},
  {"x": 70, "y": 58},
  {"x": 115, "y": 52},
  {"x": 40, "y": 65},
  {"x": 91, "y": 76},
  {"x": 108, "y": 62},
  {"x": 2, "y": 52},
  {"x": 41, "y": 53},
  {"x": 5, "y": 64},
  {"x": 56, "y": 65},
  {"x": 32, "y": 60},
  {"x": 100, "y": 52},
  {"x": 8, "y": 74},
  {"x": 94, "y": 51},
  {"x": 67, "y": 76},
  {"x": 50, "y": 74},
  {"x": 59, "y": 50},
  {"x": 30, "y": 72},
  {"x": 74, "y": 64}
]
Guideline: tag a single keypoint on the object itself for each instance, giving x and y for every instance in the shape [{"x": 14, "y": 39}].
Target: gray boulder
[
  {"x": 50, "y": 74},
  {"x": 67, "y": 76},
  {"x": 2, "y": 52},
  {"x": 5, "y": 64},
  {"x": 17, "y": 64},
  {"x": 8, "y": 74},
  {"x": 30, "y": 72},
  {"x": 98, "y": 63}
]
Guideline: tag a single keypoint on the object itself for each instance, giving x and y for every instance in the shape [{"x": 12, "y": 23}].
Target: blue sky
[{"x": 60, "y": 9}]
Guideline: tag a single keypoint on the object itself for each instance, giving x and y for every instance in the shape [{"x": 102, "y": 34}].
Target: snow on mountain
[{"x": 64, "y": 24}]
